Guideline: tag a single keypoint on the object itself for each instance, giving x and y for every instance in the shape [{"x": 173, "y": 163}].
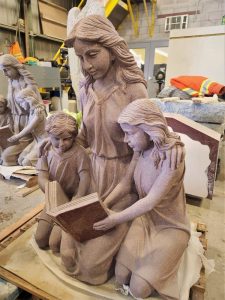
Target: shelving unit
[{"x": 38, "y": 35}]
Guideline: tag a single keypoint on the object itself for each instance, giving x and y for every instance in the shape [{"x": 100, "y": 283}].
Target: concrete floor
[
  {"x": 210, "y": 212},
  {"x": 12, "y": 206}
]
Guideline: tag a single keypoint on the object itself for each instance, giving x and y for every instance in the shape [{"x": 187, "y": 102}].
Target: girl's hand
[
  {"x": 111, "y": 221},
  {"x": 13, "y": 138},
  {"x": 176, "y": 156}
]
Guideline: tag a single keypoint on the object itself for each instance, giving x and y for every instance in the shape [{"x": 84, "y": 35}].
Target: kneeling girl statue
[{"x": 150, "y": 255}]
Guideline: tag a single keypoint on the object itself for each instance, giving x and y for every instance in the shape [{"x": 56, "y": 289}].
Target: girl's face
[
  {"x": 136, "y": 138},
  {"x": 62, "y": 142},
  {"x": 23, "y": 103},
  {"x": 11, "y": 72},
  {"x": 95, "y": 59}
]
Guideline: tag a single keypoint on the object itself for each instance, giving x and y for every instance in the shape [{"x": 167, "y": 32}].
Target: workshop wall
[
  {"x": 40, "y": 47},
  {"x": 200, "y": 13}
]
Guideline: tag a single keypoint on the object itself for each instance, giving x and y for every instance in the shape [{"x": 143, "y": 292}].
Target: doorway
[{"x": 151, "y": 57}]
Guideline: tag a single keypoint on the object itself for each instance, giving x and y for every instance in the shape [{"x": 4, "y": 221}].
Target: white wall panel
[{"x": 197, "y": 51}]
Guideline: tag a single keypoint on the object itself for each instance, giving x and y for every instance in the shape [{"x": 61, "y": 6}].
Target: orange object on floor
[
  {"x": 16, "y": 51},
  {"x": 197, "y": 85}
]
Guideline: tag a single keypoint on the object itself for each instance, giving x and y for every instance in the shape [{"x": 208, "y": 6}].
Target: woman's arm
[
  {"x": 125, "y": 186},
  {"x": 30, "y": 126},
  {"x": 82, "y": 136},
  {"x": 162, "y": 186}
]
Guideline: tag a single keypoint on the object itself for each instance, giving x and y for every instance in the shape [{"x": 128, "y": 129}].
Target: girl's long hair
[
  {"x": 146, "y": 115},
  {"x": 98, "y": 29}
]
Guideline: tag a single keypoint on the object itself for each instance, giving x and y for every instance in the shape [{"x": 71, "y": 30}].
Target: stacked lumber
[
  {"x": 53, "y": 19},
  {"x": 31, "y": 181},
  {"x": 27, "y": 174}
]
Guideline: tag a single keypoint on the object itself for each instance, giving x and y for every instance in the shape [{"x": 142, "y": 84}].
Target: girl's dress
[{"x": 156, "y": 241}]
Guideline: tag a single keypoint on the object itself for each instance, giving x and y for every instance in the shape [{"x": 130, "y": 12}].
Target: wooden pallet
[
  {"x": 198, "y": 290},
  {"x": 9, "y": 234},
  {"x": 13, "y": 232}
]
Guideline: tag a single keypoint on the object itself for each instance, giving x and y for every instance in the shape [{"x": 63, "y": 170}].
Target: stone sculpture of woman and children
[
  {"x": 27, "y": 114},
  {"x": 136, "y": 166}
]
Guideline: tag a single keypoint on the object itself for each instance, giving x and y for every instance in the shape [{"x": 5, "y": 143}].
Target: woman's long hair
[
  {"x": 146, "y": 115},
  {"x": 98, "y": 29},
  {"x": 30, "y": 96},
  {"x": 8, "y": 60}
]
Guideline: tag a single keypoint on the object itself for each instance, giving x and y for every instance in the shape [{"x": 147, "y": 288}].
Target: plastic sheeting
[
  {"x": 8, "y": 291},
  {"x": 191, "y": 264}
]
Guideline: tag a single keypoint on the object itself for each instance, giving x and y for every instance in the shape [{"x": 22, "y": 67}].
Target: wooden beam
[
  {"x": 54, "y": 5},
  {"x": 10, "y": 229},
  {"x": 25, "y": 285},
  {"x": 26, "y": 26},
  {"x": 27, "y": 190},
  {"x": 29, "y": 179},
  {"x": 54, "y": 21}
]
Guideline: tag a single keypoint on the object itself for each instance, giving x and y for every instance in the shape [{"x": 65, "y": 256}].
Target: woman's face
[
  {"x": 95, "y": 59},
  {"x": 136, "y": 138},
  {"x": 11, "y": 72}
]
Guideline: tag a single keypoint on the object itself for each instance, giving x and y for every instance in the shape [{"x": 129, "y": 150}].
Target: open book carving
[
  {"x": 76, "y": 216},
  {"x": 5, "y": 133}
]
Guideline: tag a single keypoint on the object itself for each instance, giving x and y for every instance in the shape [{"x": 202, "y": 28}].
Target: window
[{"x": 176, "y": 22}]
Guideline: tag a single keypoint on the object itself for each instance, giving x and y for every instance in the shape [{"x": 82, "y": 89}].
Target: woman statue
[
  {"x": 150, "y": 255},
  {"x": 27, "y": 99},
  {"x": 19, "y": 78},
  {"x": 112, "y": 80}
]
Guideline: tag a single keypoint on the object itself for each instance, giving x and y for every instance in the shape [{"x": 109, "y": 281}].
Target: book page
[{"x": 76, "y": 203}]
